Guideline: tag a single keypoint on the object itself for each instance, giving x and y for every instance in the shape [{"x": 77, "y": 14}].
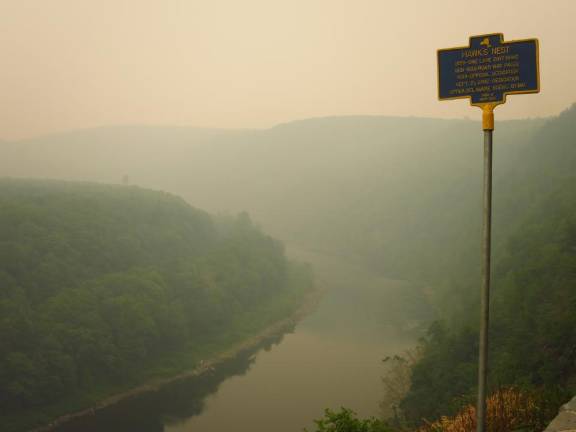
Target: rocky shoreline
[{"x": 309, "y": 304}]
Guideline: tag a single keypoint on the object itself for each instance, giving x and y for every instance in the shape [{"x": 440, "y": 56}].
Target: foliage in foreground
[
  {"x": 532, "y": 336},
  {"x": 507, "y": 410},
  {"x": 345, "y": 420}
]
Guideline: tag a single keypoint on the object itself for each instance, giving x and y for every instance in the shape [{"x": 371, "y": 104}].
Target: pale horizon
[{"x": 256, "y": 64}]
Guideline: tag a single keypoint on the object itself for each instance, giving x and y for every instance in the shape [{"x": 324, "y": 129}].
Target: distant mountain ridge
[{"x": 352, "y": 183}]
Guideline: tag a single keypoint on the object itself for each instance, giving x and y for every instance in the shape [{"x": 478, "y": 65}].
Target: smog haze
[{"x": 70, "y": 64}]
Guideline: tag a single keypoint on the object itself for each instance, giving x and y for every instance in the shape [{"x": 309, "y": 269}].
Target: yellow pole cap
[{"x": 488, "y": 116}]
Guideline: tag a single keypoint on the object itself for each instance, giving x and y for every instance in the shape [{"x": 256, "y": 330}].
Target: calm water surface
[{"x": 333, "y": 358}]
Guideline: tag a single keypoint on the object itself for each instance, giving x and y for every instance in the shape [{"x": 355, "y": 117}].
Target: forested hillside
[
  {"x": 533, "y": 337},
  {"x": 404, "y": 196},
  {"x": 102, "y": 286},
  {"x": 360, "y": 185},
  {"x": 533, "y": 326}
]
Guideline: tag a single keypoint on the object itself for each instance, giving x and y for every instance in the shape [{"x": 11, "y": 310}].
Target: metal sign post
[{"x": 486, "y": 72}]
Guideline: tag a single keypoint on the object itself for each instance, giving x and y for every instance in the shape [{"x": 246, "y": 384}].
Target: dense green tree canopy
[
  {"x": 533, "y": 337},
  {"x": 99, "y": 282}
]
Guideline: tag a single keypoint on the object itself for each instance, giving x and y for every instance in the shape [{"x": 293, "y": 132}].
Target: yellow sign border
[{"x": 503, "y": 101}]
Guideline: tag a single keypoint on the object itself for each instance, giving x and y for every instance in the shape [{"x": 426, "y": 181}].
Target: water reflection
[
  {"x": 171, "y": 404},
  {"x": 332, "y": 359}
]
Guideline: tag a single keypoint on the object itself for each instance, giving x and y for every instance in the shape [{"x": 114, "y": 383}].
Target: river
[{"x": 332, "y": 358}]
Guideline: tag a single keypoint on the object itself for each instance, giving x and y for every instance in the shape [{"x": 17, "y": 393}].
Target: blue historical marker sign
[{"x": 488, "y": 69}]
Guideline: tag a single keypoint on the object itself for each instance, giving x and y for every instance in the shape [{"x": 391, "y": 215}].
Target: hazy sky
[{"x": 71, "y": 64}]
